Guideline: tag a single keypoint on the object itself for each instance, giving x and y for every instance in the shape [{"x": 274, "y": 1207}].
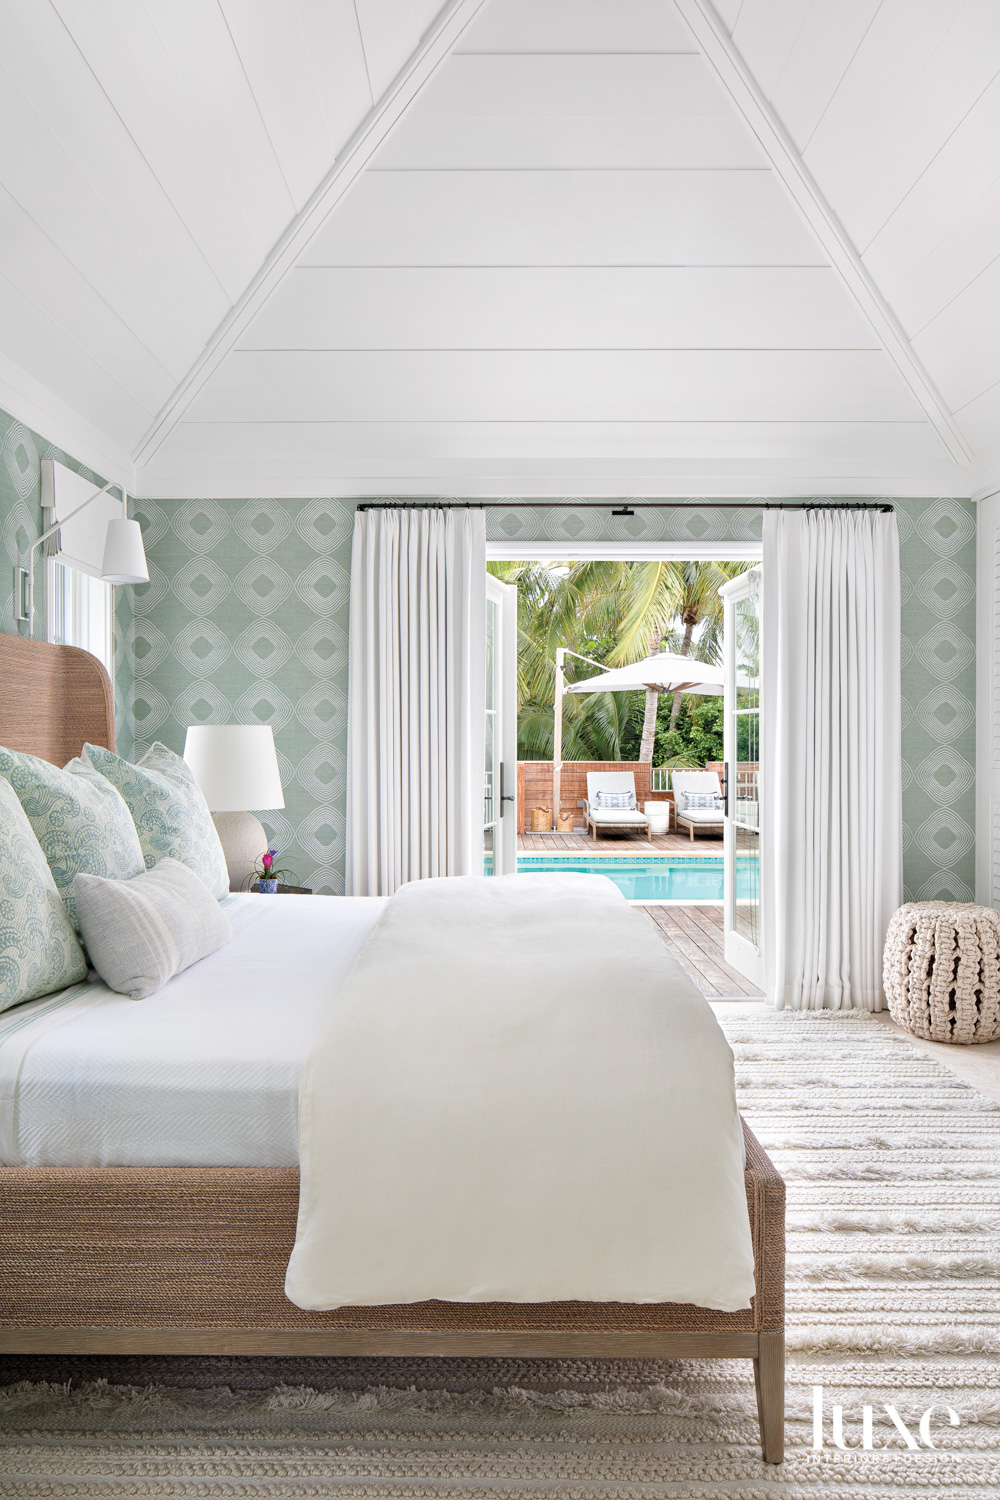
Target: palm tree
[
  {"x": 649, "y": 605},
  {"x": 701, "y": 605},
  {"x": 538, "y": 587},
  {"x": 649, "y": 601},
  {"x": 619, "y": 612},
  {"x": 594, "y": 725}
]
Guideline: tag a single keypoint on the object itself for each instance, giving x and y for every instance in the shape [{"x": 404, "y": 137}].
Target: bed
[{"x": 121, "y": 1256}]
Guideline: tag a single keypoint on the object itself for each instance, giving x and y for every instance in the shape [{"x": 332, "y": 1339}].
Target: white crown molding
[
  {"x": 239, "y": 484},
  {"x": 436, "y": 46},
  {"x": 986, "y": 476},
  {"x": 626, "y": 551},
  {"x": 722, "y": 55},
  {"x": 30, "y": 402}
]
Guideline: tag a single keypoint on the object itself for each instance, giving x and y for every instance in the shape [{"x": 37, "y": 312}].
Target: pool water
[{"x": 685, "y": 879}]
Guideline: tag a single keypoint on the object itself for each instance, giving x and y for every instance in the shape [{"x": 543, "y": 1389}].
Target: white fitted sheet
[{"x": 204, "y": 1073}]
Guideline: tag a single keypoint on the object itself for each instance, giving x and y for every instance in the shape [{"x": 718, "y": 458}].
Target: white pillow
[
  {"x": 701, "y": 799},
  {"x": 141, "y": 932},
  {"x": 615, "y": 802}
]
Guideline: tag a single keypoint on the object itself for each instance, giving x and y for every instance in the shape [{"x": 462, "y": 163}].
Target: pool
[{"x": 684, "y": 879}]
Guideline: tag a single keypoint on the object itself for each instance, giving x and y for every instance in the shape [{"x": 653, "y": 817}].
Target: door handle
[{"x": 504, "y": 797}]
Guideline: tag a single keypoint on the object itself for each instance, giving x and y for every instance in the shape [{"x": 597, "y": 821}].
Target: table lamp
[{"x": 237, "y": 769}]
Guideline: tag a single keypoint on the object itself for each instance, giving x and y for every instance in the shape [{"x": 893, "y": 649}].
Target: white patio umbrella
[{"x": 664, "y": 672}]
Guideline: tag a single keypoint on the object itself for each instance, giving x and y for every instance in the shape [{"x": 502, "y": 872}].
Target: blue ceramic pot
[{"x": 267, "y": 887}]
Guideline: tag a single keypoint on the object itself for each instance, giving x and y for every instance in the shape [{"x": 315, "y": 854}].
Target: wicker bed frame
[{"x": 192, "y": 1260}]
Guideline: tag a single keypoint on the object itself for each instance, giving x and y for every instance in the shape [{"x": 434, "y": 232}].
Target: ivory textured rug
[{"x": 893, "y": 1172}]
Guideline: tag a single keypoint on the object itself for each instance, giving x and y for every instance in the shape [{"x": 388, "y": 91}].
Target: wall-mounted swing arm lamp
[{"x": 124, "y": 558}]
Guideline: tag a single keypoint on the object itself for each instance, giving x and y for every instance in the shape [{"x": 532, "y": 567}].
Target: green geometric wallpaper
[
  {"x": 21, "y": 454},
  {"x": 938, "y": 577},
  {"x": 245, "y": 619}
]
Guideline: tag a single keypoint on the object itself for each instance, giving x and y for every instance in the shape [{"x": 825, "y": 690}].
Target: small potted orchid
[{"x": 267, "y": 875}]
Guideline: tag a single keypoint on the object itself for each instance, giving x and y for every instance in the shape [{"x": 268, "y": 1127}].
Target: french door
[
  {"x": 500, "y": 787},
  {"x": 741, "y": 740}
]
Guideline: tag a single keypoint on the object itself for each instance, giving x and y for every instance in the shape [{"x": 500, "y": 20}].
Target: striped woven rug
[{"x": 893, "y": 1173}]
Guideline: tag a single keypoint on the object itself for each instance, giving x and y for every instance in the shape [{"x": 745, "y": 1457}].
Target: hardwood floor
[
  {"x": 694, "y": 936},
  {"x": 619, "y": 843}
]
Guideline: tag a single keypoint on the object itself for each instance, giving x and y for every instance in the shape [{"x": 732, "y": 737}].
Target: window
[{"x": 79, "y": 611}]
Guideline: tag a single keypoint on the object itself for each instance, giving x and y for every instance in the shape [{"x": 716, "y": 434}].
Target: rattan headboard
[{"x": 53, "y": 699}]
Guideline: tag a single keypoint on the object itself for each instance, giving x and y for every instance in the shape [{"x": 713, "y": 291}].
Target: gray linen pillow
[{"x": 141, "y": 932}]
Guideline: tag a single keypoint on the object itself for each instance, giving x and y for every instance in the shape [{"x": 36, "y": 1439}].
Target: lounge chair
[
  {"x": 698, "y": 784},
  {"x": 613, "y": 783}
]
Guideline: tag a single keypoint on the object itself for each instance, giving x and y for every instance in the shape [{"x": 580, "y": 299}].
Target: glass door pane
[
  {"x": 500, "y": 782},
  {"x": 490, "y": 809},
  {"x": 742, "y": 752}
]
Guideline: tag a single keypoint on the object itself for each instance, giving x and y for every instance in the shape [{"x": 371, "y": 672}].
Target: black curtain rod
[{"x": 627, "y": 508}]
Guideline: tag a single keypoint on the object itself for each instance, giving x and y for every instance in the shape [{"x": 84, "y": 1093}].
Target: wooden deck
[
  {"x": 694, "y": 936},
  {"x": 619, "y": 843},
  {"x": 692, "y": 933}
]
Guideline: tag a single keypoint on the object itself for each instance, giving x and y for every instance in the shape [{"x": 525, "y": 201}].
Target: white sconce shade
[
  {"x": 124, "y": 554},
  {"x": 124, "y": 557},
  {"x": 235, "y": 765}
]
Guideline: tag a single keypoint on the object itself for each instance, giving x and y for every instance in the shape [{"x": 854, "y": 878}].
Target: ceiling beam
[
  {"x": 723, "y": 57},
  {"x": 435, "y": 47}
]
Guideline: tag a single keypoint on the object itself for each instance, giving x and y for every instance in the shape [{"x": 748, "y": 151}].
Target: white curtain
[
  {"x": 830, "y": 745},
  {"x": 416, "y": 697}
]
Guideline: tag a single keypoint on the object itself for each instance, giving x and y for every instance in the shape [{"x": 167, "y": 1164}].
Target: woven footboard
[
  {"x": 179, "y": 1260},
  {"x": 186, "y": 1260}
]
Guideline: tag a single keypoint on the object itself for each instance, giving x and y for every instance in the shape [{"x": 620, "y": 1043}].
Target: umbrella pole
[{"x": 557, "y": 735}]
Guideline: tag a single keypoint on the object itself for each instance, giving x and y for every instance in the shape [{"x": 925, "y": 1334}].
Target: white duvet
[{"x": 519, "y": 1096}]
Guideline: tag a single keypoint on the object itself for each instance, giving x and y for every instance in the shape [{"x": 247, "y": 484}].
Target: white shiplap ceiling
[
  {"x": 154, "y": 152},
  {"x": 512, "y": 247}
]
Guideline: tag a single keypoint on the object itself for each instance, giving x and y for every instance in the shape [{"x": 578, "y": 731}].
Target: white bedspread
[
  {"x": 519, "y": 1096},
  {"x": 204, "y": 1073}
]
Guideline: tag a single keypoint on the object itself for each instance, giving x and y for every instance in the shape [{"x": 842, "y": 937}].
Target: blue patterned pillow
[
  {"x": 38, "y": 947},
  {"x": 169, "y": 811},
  {"x": 701, "y": 799},
  {"x": 616, "y": 802},
  {"x": 81, "y": 822}
]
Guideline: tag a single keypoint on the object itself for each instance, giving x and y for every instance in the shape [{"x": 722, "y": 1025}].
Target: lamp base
[{"x": 243, "y": 842}]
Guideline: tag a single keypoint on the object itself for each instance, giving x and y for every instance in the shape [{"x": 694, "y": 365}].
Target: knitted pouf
[{"x": 941, "y": 970}]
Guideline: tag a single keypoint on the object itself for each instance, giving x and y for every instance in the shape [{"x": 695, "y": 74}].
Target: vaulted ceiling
[{"x": 515, "y": 247}]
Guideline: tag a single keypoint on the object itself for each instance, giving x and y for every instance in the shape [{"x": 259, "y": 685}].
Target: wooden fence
[{"x": 534, "y": 786}]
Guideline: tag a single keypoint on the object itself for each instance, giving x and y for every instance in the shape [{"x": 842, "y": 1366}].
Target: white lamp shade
[
  {"x": 124, "y": 554},
  {"x": 235, "y": 765}
]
